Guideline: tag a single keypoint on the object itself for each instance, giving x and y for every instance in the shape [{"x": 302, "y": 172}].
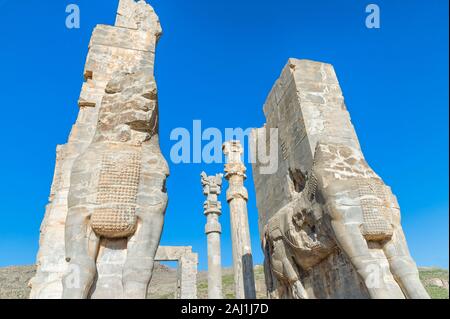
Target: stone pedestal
[{"x": 237, "y": 197}]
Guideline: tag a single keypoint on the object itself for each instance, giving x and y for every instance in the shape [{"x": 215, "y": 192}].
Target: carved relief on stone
[
  {"x": 110, "y": 176},
  {"x": 296, "y": 239},
  {"x": 118, "y": 187},
  {"x": 350, "y": 208},
  {"x": 330, "y": 225},
  {"x": 115, "y": 216}
]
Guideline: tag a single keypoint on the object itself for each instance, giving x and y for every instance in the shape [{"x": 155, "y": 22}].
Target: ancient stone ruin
[
  {"x": 187, "y": 269},
  {"x": 103, "y": 224},
  {"x": 329, "y": 225},
  {"x": 212, "y": 208},
  {"x": 237, "y": 197}
]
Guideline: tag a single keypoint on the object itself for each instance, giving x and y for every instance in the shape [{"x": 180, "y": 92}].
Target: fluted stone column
[
  {"x": 237, "y": 197},
  {"x": 212, "y": 187}
]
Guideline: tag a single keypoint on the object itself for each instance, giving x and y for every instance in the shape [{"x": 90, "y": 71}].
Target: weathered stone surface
[
  {"x": 114, "y": 257},
  {"x": 237, "y": 197},
  {"x": 212, "y": 187},
  {"x": 187, "y": 269},
  {"x": 330, "y": 227},
  {"x": 14, "y": 282},
  {"x": 103, "y": 224}
]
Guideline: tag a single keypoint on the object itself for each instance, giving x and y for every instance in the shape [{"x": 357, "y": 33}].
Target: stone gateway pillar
[
  {"x": 212, "y": 187},
  {"x": 237, "y": 197},
  {"x": 103, "y": 224},
  {"x": 187, "y": 269},
  {"x": 329, "y": 225}
]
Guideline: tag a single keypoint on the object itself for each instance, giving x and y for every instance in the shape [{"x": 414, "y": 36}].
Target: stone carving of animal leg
[
  {"x": 271, "y": 280},
  {"x": 142, "y": 246},
  {"x": 285, "y": 272},
  {"x": 81, "y": 252},
  {"x": 351, "y": 240},
  {"x": 403, "y": 267}
]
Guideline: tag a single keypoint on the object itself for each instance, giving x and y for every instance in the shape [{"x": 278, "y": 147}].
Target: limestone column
[
  {"x": 212, "y": 187},
  {"x": 237, "y": 197}
]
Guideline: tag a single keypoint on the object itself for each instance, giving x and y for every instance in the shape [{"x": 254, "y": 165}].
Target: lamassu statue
[
  {"x": 118, "y": 187},
  {"x": 343, "y": 204},
  {"x": 330, "y": 227}
]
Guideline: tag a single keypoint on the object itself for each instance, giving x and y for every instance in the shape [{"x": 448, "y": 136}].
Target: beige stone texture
[
  {"x": 212, "y": 187},
  {"x": 107, "y": 199},
  {"x": 329, "y": 225},
  {"x": 187, "y": 269},
  {"x": 237, "y": 197}
]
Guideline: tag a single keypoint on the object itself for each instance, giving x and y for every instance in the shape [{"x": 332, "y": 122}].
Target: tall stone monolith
[
  {"x": 329, "y": 225},
  {"x": 103, "y": 224}
]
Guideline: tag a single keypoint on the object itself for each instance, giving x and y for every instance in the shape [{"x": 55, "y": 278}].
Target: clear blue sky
[{"x": 217, "y": 62}]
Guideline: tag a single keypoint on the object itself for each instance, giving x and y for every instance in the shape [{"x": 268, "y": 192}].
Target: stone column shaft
[
  {"x": 237, "y": 197},
  {"x": 214, "y": 267},
  {"x": 213, "y": 229}
]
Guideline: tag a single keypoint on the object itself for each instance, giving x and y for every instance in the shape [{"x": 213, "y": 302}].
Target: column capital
[
  {"x": 212, "y": 207},
  {"x": 234, "y": 166},
  {"x": 233, "y": 147},
  {"x": 212, "y": 185},
  {"x": 233, "y": 150},
  {"x": 235, "y": 169}
]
